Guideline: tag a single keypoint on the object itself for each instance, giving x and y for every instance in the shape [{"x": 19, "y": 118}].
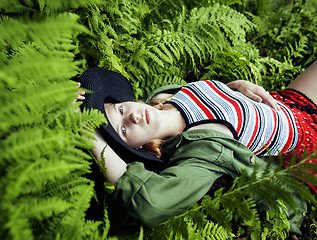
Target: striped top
[{"x": 256, "y": 125}]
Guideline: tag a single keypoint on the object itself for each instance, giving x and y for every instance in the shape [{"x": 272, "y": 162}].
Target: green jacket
[{"x": 195, "y": 159}]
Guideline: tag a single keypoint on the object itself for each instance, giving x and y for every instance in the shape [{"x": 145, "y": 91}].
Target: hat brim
[{"x": 106, "y": 86}]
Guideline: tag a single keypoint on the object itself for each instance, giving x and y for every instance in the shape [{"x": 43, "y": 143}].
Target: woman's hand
[
  {"x": 80, "y": 96},
  {"x": 254, "y": 92}
]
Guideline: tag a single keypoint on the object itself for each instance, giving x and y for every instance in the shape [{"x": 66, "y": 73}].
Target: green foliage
[
  {"x": 48, "y": 182},
  {"x": 276, "y": 224},
  {"x": 45, "y": 193},
  {"x": 287, "y": 32},
  {"x": 312, "y": 222},
  {"x": 157, "y": 51}
]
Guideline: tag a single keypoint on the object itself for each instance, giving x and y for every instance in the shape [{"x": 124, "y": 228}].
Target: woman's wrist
[{"x": 115, "y": 166}]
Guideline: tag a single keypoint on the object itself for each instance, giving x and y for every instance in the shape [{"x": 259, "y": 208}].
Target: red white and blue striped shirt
[{"x": 256, "y": 125}]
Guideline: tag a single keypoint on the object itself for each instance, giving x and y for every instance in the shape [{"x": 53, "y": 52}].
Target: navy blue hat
[{"x": 110, "y": 87}]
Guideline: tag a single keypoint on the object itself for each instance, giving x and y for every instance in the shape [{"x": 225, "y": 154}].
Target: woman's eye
[
  {"x": 124, "y": 132},
  {"x": 121, "y": 110}
]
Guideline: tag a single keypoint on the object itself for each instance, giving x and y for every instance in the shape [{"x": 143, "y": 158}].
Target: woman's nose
[{"x": 134, "y": 117}]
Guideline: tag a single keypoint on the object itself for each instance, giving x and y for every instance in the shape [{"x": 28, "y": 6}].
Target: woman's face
[{"x": 136, "y": 123}]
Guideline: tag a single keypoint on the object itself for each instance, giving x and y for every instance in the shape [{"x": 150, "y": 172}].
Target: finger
[
  {"x": 79, "y": 97},
  {"x": 253, "y": 96},
  {"x": 261, "y": 92},
  {"x": 81, "y": 92},
  {"x": 261, "y": 95},
  {"x": 268, "y": 98}
]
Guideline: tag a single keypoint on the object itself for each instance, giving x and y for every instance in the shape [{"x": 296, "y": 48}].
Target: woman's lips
[{"x": 147, "y": 117}]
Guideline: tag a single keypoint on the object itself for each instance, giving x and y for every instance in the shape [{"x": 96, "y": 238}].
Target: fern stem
[{"x": 157, "y": 5}]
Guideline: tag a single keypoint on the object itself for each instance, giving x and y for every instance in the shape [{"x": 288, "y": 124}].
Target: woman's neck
[{"x": 173, "y": 122}]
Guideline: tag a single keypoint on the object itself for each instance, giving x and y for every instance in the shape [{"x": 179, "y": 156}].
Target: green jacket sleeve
[{"x": 154, "y": 198}]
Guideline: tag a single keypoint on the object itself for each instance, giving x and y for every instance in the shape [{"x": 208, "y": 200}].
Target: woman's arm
[
  {"x": 253, "y": 91},
  {"x": 154, "y": 198},
  {"x": 307, "y": 82},
  {"x": 114, "y": 165}
]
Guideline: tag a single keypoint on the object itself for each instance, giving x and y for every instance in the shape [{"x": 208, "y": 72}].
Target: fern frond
[
  {"x": 73, "y": 223},
  {"x": 27, "y": 182},
  {"x": 209, "y": 231},
  {"x": 43, "y": 181},
  {"x": 13, "y": 32},
  {"x": 19, "y": 144},
  {"x": 48, "y": 6},
  {"x": 45, "y": 208},
  {"x": 65, "y": 187},
  {"x": 19, "y": 228},
  {"x": 22, "y": 106},
  {"x": 49, "y": 53},
  {"x": 231, "y": 21},
  {"x": 186, "y": 228},
  {"x": 154, "y": 51},
  {"x": 91, "y": 230}
]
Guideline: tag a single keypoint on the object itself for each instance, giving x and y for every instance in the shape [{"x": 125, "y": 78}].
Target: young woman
[{"x": 197, "y": 150}]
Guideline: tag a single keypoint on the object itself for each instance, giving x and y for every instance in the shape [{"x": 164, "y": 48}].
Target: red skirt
[{"x": 305, "y": 113}]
